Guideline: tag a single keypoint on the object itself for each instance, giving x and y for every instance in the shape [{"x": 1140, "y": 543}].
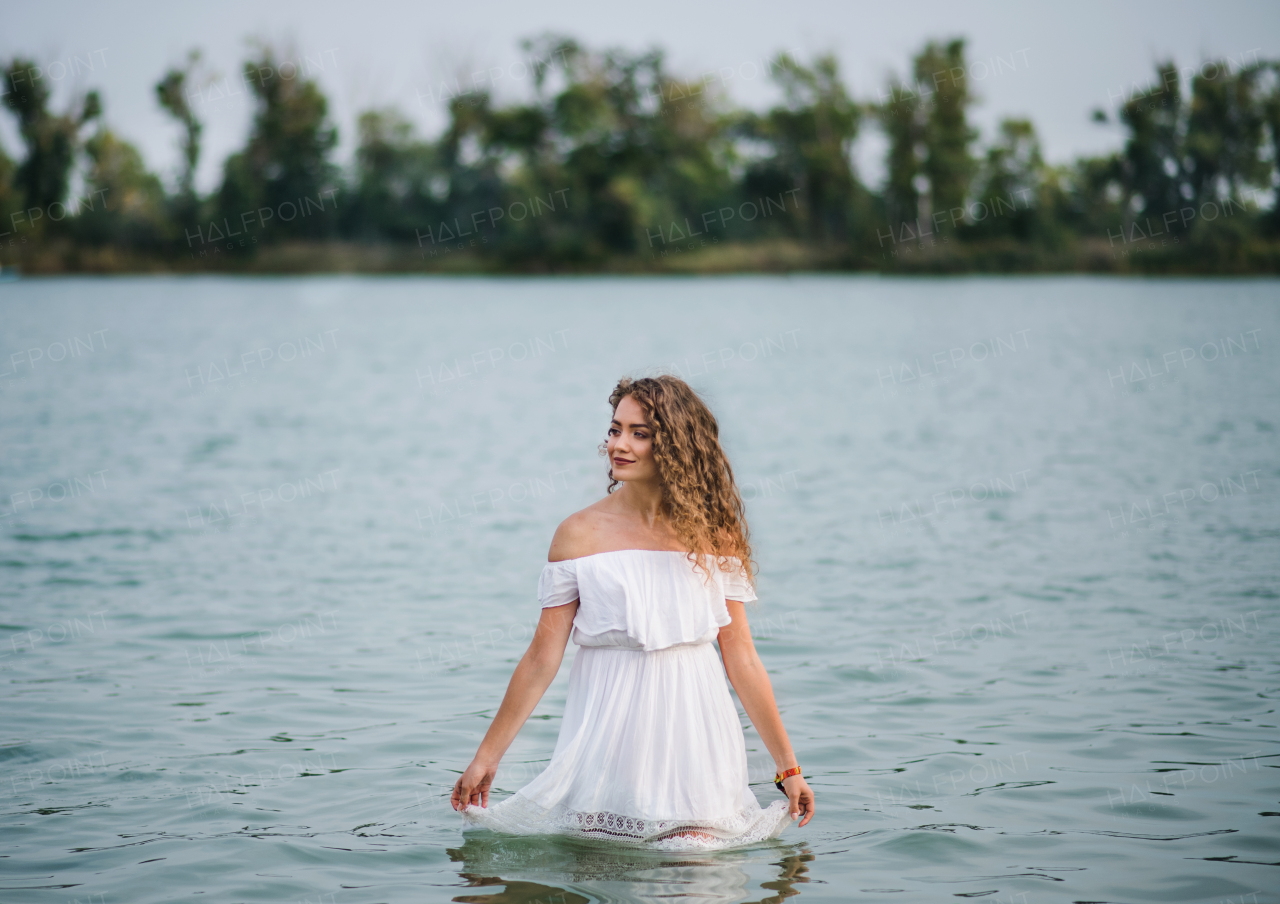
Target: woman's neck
[{"x": 643, "y": 499}]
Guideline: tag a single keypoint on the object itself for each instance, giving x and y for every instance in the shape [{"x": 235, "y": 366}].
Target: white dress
[{"x": 651, "y": 745}]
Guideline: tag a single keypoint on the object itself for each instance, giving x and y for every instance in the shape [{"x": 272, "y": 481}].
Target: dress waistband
[{"x": 621, "y": 640}]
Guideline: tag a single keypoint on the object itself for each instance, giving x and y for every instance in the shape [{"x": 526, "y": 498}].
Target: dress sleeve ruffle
[
  {"x": 736, "y": 585},
  {"x": 558, "y": 584}
]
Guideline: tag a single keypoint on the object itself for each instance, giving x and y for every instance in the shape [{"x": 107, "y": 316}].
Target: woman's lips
[{"x": 620, "y": 462}]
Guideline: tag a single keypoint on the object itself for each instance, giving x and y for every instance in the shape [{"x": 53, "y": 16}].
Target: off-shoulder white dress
[{"x": 651, "y": 746}]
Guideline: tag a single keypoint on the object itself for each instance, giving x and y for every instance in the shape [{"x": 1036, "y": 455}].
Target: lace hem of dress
[{"x": 520, "y": 816}]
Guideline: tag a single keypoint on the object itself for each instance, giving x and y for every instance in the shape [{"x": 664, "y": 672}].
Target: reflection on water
[{"x": 562, "y": 870}]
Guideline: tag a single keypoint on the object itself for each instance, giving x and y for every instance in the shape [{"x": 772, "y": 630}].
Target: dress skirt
[{"x": 650, "y": 752}]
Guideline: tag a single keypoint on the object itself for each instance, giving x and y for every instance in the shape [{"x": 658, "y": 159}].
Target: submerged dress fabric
[{"x": 651, "y": 750}]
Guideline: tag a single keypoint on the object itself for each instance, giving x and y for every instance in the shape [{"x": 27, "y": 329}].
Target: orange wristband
[{"x": 781, "y": 777}]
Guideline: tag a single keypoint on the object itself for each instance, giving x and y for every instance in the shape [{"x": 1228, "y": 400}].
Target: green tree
[
  {"x": 1184, "y": 151},
  {"x": 948, "y": 163},
  {"x": 1225, "y": 133},
  {"x": 625, "y": 152},
  {"x": 172, "y": 93},
  {"x": 135, "y": 217},
  {"x": 52, "y": 140},
  {"x": 1152, "y": 154},
  {"x": 619, "y": 156},
  {"x": 398, "y": 185},
  {"x": 10, "y": 203},
  {"x": 285, "y": 166},
  {"x": 1010, "y": 181},
  {"x": 902, "y": 120},
  {"x": 1269, "y": 105},
  {"x": 812, "y": 134},
  {"x": 929, "y": 165},
  {"x": 469, "y": 178},
  {"x": 1095, "y": 201}
]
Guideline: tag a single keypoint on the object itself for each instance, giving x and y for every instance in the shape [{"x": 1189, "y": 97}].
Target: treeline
[{"x": 618, "y": 164}]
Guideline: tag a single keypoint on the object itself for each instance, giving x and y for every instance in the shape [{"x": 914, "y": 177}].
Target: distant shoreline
[{"x": 1254, "y": 258}]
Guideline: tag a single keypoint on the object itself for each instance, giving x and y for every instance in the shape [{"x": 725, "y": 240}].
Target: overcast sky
[{"x": 1051, "y": 62}]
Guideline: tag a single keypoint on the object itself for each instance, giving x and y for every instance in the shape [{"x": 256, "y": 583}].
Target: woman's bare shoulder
[{"x": 581, "y": 534}]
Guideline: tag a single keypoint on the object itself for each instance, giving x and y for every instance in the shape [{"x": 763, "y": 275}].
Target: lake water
[{"x": 269, "y": 550}]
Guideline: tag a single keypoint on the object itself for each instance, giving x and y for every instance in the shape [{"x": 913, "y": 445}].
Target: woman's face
[{"x": 630, "y": 444}]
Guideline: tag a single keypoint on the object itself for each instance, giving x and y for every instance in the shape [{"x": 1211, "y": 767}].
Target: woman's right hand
[
  {"x": 799, "y": 797},
  {"x": 472, "y": 787}
]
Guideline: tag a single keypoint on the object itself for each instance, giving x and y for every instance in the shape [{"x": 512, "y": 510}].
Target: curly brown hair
[{"x": 700, "y": 499}]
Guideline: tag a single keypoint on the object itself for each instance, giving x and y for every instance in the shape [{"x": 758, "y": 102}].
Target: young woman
[{"x": 651, "y": 749}]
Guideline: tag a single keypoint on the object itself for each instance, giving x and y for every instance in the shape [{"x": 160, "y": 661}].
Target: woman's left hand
[{"x": 799, "y": 796}]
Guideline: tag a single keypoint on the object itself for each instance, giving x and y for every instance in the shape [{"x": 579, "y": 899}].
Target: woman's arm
[
  {"x": 532, "y": 676},
  {"x": 747, "y": 675}
]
